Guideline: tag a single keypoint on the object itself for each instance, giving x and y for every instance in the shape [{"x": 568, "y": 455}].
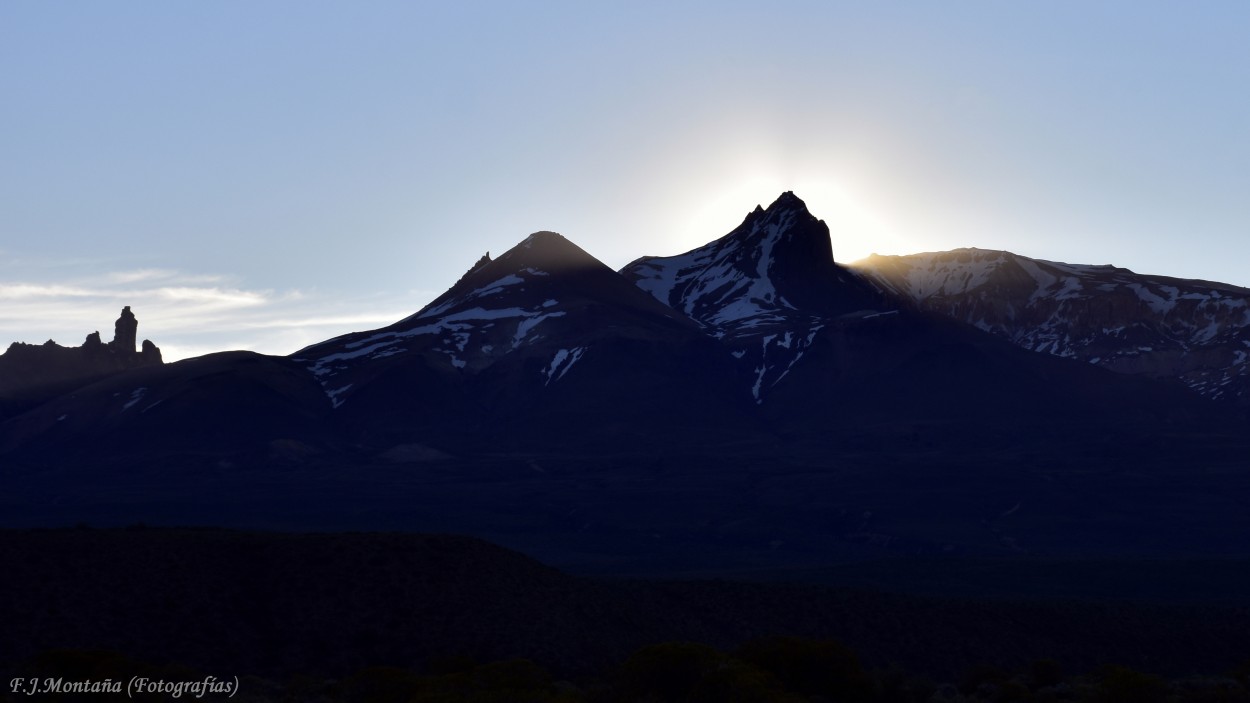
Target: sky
[{"x": 265, "y": 175}]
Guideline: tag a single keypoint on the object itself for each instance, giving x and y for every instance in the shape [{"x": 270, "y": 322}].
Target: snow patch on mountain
[
  {"x": 527, "y": 324},
  {"x": 333, "y": 395},
  {"x": 724, "y": 288},
  {"x": 561, "y": 363},
  {"x": 507, "y": 282},
  {"x": 949, "y": 277},
  {"x": 135, "y": 396},
  {"x": 1156, "y": 302},
  {"x": 456, "y": 329},
  {"x": 775, "y": 355},
  {"x": 499, "y": 285}
]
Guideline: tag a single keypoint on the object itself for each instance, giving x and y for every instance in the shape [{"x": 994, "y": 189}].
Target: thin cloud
[
  {"x": 141, "y": 275},
  {"x": 338, "y": 321},
  {"x": 22, "y": 291},
  {"x": 227, "y": 297}
]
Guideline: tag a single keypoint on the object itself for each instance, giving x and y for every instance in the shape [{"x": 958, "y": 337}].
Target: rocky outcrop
[
  {"x": 28, "y": 370},
  {"x": 124, "y": 332},
  {"x": 150, "y": 354}
]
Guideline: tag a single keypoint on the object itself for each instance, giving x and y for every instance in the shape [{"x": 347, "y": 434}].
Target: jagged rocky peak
[
  {"x": 804, "y": 238},
  {"x": 473, "y": 269},
  {"x": 786, "y": 201},
  {"x": 780, "y": 257},
  {"x": 789, "y": 213},
  {"x": 782, "y": 240}
]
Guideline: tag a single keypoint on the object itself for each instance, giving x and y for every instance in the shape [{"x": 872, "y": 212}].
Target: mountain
[
  {"x": 1195, "y": 331},
  {"x": 542, "y": 345},
  {"x": 750, "y": 406},
  {"x": 776, "y": 264},
  {"x": 766, "y": 289},
  {"x": 821, "y": 342},
  {"x": 32, "y": 373}
]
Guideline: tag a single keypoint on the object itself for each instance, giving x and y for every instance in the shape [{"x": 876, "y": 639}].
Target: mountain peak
[
  {"x": 788, "y": 201},
  {"x": 787, "y": 204},
  {"x": 787, "y": 233},
  {"x": 545, "y": 251},
  {"x": 538, "y": 278},
  {"x": 544, "y": 238},
  {"x": 778, "y": 262}
]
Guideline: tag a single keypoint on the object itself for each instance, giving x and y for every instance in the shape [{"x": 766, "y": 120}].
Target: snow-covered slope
[
  {"x": 1196, "y": 331},
  {"x": 545, "y": 330},
  {"x": 766, "y": 289},
  {"x": 511, "y": 307},
  {"x": 776, "y": 264}
]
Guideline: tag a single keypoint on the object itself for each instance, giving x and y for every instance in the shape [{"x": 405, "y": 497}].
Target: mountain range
[{"x": 749, "y": 404}]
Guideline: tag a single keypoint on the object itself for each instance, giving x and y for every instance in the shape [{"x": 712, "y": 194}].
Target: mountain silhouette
[{"x": 748, "y": 406}]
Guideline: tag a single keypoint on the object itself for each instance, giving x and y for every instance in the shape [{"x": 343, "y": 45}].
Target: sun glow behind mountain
[{"x": 857, "y": 226}]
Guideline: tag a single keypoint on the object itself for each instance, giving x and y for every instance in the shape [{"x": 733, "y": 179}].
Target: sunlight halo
[{"x": 857, "y": 228}]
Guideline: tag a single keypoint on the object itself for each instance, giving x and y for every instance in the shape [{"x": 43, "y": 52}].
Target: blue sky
[{"x": 266, "y": 174}]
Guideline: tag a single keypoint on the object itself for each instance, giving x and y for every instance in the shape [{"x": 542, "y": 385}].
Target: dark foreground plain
[{"x": 326, "y": 606}]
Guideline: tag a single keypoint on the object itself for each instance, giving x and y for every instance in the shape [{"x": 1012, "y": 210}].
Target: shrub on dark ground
[
  {"x": 693, "y": 673},
  {"x": 509, "y": 681},
  {"x": 1044, "y": 673},
  {"x": 667, "y": 672},
  {"x": 380, "y": 684},
  {"x": 1123, "y": 685},
  {"x": 895, "y": 685},
  {"x": 810, "y": 667},
  {"x": 977, "y": 676}
]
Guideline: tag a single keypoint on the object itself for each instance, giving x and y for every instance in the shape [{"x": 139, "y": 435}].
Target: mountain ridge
[
  {"x": 1195, "y": 331},
  {"x": 770, "y": 410}
]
